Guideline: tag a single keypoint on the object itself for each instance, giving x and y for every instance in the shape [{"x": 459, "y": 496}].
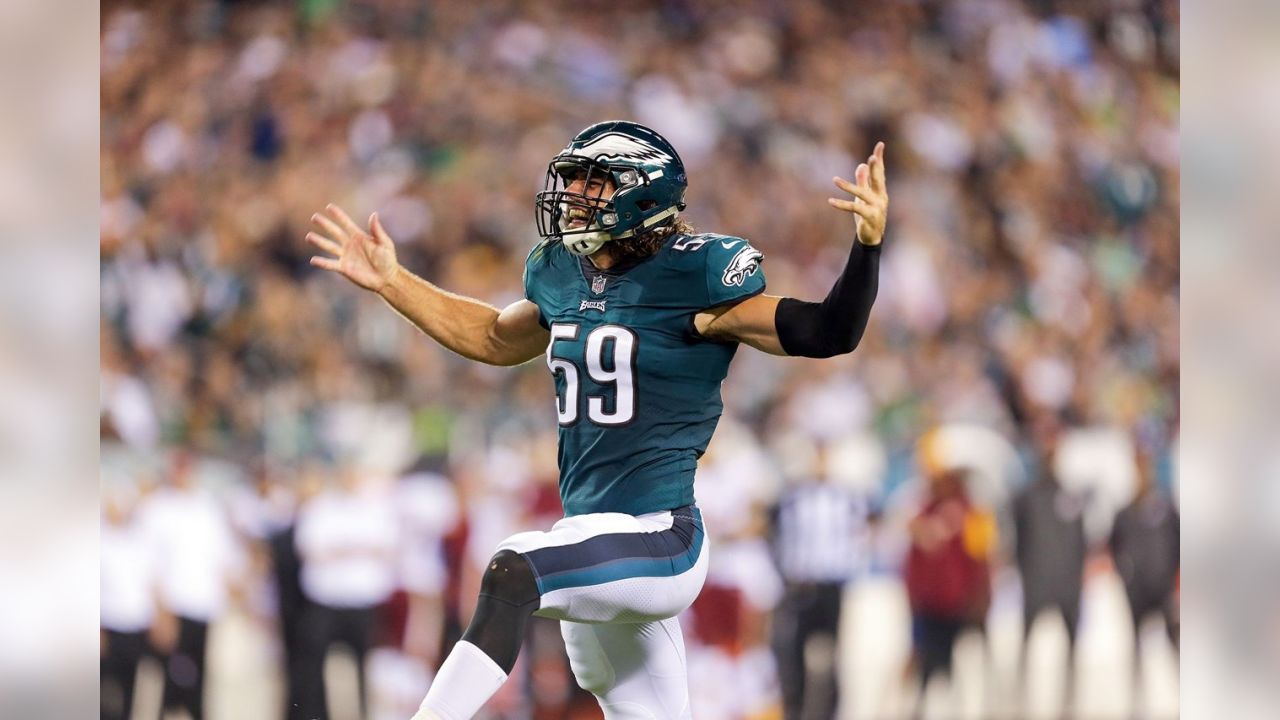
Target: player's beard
[{"x": 639, "y": 247}]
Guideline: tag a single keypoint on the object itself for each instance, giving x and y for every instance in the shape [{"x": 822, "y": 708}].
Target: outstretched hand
[
  {"x": 870, "y": 205},
  {"x": 366, "y": 258}
]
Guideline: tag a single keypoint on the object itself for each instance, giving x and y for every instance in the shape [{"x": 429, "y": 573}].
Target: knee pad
[
  {"x": 508, "y": 597},
  {"x": 509, "y": 578}
]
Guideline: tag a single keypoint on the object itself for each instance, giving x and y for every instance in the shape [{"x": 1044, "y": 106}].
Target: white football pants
[{"x": 616, "y": 583}]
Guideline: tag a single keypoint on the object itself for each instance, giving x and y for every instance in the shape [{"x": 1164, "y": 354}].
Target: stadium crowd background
[{"x": 1028, "y": 300}]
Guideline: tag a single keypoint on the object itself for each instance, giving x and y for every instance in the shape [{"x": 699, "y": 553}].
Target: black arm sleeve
[{"x": 835, "y": 325}]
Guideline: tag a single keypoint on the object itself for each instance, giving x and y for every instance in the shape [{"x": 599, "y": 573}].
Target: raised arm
[
  {"x": 834, "y": 326},
  {"x": 473, "y": 329}
]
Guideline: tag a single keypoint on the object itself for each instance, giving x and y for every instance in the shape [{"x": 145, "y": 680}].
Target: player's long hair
[{"x": 645, "y": 244}]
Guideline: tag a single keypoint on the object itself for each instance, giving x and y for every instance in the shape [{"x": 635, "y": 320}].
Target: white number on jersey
[
  {"x": 618, "y": 344},
  {"x": 566, "y": 407},
  {"x": 690, "y": 242}
]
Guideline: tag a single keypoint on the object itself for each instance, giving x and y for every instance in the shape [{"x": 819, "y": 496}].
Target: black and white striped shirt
[{"x": 819, "y": 533}]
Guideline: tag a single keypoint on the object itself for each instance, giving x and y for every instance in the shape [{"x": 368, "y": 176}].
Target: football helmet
[{"x": 647, "y": 174}]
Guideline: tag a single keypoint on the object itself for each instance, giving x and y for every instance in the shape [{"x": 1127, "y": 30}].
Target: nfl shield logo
[{"x": 597, "y": 284}]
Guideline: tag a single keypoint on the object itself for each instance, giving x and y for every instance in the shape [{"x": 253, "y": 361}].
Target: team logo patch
[
  {"x": 616, "y": 146},
  {"x": 591, "y": 305},
  {"x": 742, "y": 266},
  {"x": 597, "y": 284}
]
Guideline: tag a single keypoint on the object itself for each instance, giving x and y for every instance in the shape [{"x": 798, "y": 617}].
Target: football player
[{"x": 638, "y": 317}]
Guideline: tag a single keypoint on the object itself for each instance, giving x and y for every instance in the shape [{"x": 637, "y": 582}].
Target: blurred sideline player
[{"x": 639, "y": 317}]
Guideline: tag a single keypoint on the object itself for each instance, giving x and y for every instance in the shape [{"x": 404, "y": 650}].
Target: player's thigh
[
  {"x": 609, "y": 567},
  {"x": 637, "y": 671},
  {"x": 628, "y": 600}
]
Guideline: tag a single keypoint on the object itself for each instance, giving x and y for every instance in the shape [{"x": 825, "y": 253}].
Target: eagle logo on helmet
[
  {"x": 742, "y": 266},
  {"x": 616, "y": 146}
]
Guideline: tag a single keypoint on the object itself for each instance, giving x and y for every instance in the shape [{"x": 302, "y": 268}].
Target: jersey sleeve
[
  {"x": 733, "y": 271},
  {"x": 532, "y": 287}
]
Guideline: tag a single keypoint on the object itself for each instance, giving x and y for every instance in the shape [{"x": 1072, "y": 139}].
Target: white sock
[{"x": 466, "y": 681}]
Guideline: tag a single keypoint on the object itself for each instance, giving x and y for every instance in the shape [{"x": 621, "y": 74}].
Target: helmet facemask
[
  {"x": 581, "y": 220},
  {"x": 646, "y": 174}
]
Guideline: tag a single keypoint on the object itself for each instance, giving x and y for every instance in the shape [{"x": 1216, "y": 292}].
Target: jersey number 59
[{"x": 610, "y": 359}]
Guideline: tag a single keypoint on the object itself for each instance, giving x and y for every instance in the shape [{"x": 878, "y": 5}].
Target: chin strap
[{"x": 586, "y": 243}]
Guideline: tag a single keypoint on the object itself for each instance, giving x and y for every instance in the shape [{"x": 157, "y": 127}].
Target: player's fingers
[
  {"x": 862, "y": 210},
  {"x": 862, "y": 193},
  {"x": 860, "y": 175},
  {"x": 377, "y": 231},
  {"x": 329, "y": 227},
  {"x": 877, "y": 174},
  {"x": 324, "y": 243},
  {"x": 325, "y": 263},
  {"x": 877, "y": 167},
  {"x": 344, "y": 221}
]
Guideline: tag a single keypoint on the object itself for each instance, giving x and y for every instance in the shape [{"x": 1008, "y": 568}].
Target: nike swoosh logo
[{"x": 727, "y": 246}]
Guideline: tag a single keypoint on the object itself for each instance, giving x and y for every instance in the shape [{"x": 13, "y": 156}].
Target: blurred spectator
[
  {"x": 198, "y": 566},
  {"x": 412, "y": 632},
  {"x": 947, "y": 571},
  {"x": 819, "y": 533},
  {"x": 1050, "y": 549},
  {"x": 262, "y": 510},
  {"x": 264, "y": 506},
  {"x": 267, "y": 513},
  {"x": 1145, "y": 547},
  {"x": 127, "y": 602},
  {"x": 429, "y": 512},
  {"x": 732, "y": 668},
  {"x": 346, "y": 538}
]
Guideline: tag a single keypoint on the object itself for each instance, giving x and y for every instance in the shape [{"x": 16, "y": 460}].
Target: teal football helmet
[{"x": 647, "y": 174}]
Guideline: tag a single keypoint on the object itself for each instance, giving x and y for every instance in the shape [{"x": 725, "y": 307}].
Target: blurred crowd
[{"x": 1013, "y": 405}]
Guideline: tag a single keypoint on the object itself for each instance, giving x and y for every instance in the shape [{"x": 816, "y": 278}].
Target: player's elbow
[
  {"x": 507, "y": 360},
  {"x": 811, "y": 330},
  {"x": 844, "y": 344},
  {"x": 830, "y": 345},
  {"x": 493, "y": 350},
  {"x": 497, "y": 356},
  {"x": 500, "y": 354}
]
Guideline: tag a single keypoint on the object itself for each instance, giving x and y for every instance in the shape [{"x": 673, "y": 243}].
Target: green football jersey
[{"x": 637, "y": 391}]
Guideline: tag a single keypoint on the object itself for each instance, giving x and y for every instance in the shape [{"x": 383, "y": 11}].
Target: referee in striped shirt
[{"x": 819, "y": 535}]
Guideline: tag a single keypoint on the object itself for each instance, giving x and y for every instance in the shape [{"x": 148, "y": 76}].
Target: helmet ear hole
[{"x": 647, "y": 204}]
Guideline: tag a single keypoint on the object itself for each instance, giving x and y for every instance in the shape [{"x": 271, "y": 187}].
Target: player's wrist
[{"x": 393, "y": 284}]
